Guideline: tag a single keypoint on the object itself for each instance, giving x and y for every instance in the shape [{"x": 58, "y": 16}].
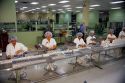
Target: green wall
[
  {"x": 93, "y": 18},
  {"x": 28, "y": 38},
  {"x": 79, "y": 17},
  {"x": 7, "y": 11},
  {"x": 117, "y": 15}
]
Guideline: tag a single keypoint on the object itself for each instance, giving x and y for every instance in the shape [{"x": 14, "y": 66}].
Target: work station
[{"x": 57, "y": 41}]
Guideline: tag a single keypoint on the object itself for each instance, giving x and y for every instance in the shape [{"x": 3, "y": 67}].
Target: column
[{"x": 86, "y": 12}]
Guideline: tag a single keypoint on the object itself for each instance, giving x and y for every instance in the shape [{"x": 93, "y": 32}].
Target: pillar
[{"x": 86, "y": 12}]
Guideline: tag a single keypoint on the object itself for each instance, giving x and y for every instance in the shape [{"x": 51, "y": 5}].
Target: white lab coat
[
  {"x": 79, "y": 42},
  {"x": 48, "y": 44},
  {"x": 88, "y": 39},
  {"x": 122, "y": 33},
  {"x": 11, "y": 50},
  {"x": 111, "y": 36}
]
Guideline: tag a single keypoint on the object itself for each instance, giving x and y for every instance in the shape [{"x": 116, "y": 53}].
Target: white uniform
[
  {"x": 122, "y": 33},
  {"x": 48, "y": 44},
  {"x": 111, "y": 36},
  {"x": 79, "y": 42},
  {"x": 88, "y": 39},
  {"x": 11, "y": 50}
]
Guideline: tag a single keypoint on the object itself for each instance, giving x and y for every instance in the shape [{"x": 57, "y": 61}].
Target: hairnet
[
  {"x": 79, "y": 34},
  {"x": 12, "y": 37},
  {"x": 48, "y": 33}
]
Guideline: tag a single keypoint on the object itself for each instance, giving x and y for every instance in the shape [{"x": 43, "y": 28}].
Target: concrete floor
[{"x": 113, "y": 72}]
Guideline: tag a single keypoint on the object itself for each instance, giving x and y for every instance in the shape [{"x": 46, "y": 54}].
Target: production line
[{"x": 56, "y": 55}]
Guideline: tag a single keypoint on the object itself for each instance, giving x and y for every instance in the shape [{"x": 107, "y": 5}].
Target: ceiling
[{"x": 104, "y": 5}]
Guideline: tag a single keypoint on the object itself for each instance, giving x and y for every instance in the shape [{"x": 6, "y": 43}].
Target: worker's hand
[
  {"x": 81, "y": 45},
  {"x": 18, "y": 52},
  {"x": 9, "y": 57}
]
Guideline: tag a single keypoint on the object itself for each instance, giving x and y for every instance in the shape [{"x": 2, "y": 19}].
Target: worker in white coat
[
  {"x": 111, "y": 36},
  {"x": 14, "y": 48},
  {"x": 122, "y": 33},
  {"x": 79, "y": 41},
  {"x": 49, "y": 42},
  {"x": 91, "y": 38}
]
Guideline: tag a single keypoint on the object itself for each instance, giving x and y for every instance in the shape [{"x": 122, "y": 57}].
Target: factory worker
[
  {"x": 122, "y": 33},
  {"x": 49, "y": 42},
  {"x": 14, "y": 48},
  {"x": 79, "y": 41},
  {"x": 91, "y": 38},
  {"x": 111, "y": 36}
]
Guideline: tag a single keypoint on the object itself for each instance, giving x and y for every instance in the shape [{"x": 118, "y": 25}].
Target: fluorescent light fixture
[
  {"x": 34, "y": 3},
  {"x": 68, "y": 8},
  {"x": 16, "y": 1},
  {"x": 53, "y": 10},
  {"x": 96, "y": 5},
  {"x": 43, "y": 10},
  {"x": 116, "y": 8},
  {"x": 21, "y": 8},
  {"x": 116, "y": 2},
  {"x": 79, "y": 7},
  {"x": 51, "y": 4},
  {"x": 44, "y": 6},
  {"x": 37, "y": 8},
  {"x": 64, "y": 1},
  {"x": 91, "y": 8},
  {"x": 33, "y": 9},
  {"x": 66, "y": 5},
  {"x": 60, "y": 9},
  {"x": 77, "y": 11},
  {"x": 24, "y": 7}
]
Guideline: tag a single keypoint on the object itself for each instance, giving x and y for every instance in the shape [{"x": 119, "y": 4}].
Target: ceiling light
[
  {"x": 68, "y": 8},
  {"x": 43, "y": 10},
  {"x": 51, "y": 4},
  {"x": 94, "y": 5},
  {"x": 44, "y": 6},
  {"x": 37, "y": 8},
  {"x": 117, "y": 2},
  {"x": 66, "y": 5},
  {"x": 79, "y": 7},
  {"x": 33, "y": 9},
  {"x": 77, "y": 11},
  {"x": 53, "y": 10},
  {"x": 91, "y": 8},
  {"x": 21, "y": 8},
  {"x": 60, "y": 9},
  {"x": 34, "y": 3},
  {"x": 63, "y": 1},
  {"x": 116, "y": 8},
  {"x": 16, "y": 1},
  {"x": 24, "y": 7}
]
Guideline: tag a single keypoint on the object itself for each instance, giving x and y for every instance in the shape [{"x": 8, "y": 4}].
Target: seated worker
[
  {"x": 91, "y": 38},
  {"x": 49, "y": 42},
  {"x": 111, "y": 36},
  {"x": 79, "y": 41},
  {"x": 14, "y": 48},
  {"x": 122, "y": 33}
]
